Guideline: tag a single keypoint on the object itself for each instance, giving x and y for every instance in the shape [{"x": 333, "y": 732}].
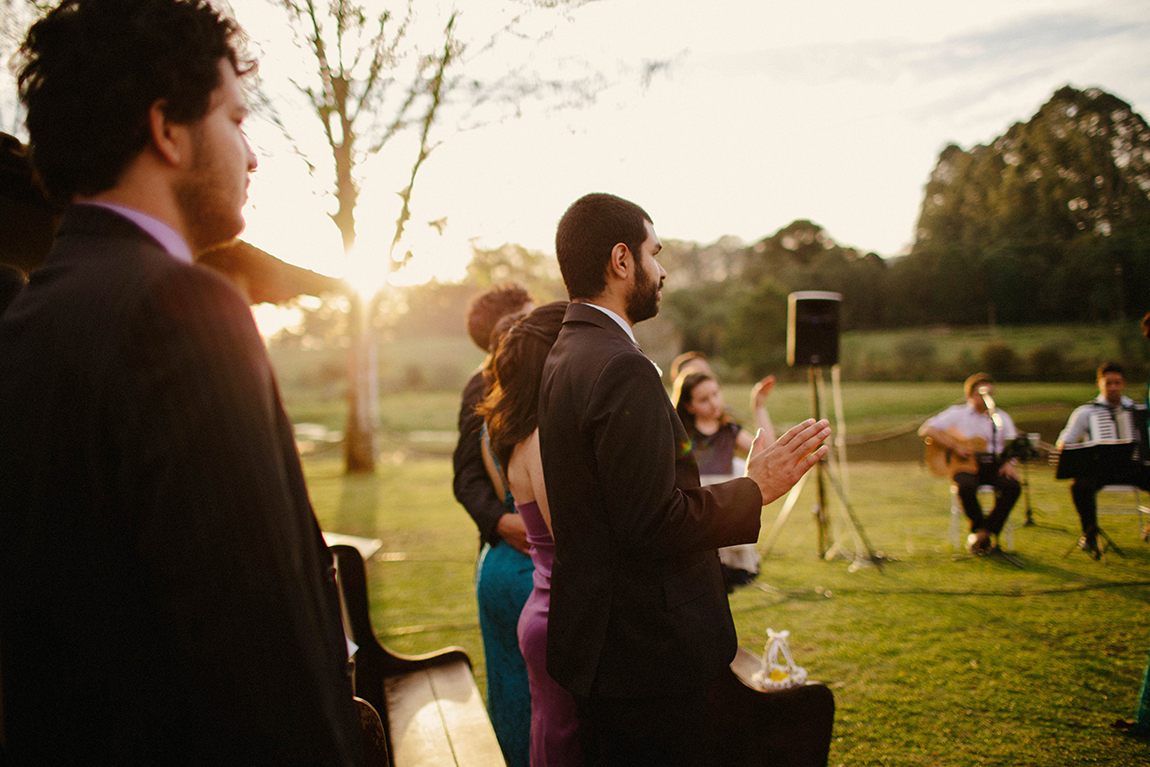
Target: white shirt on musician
[
  {"x": 1097, "y": 421},
  {"x": 971, "y": 423}
]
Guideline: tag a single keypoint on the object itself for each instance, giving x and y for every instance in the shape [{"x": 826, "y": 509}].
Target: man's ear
[
  {"x": 620, "y": 264},
  {"x": 170, "y": 140}
]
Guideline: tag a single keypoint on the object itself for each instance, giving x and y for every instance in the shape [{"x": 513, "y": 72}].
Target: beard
[
  {"x": 211, "y": 215},
  {"x": 643, "y": 300}
]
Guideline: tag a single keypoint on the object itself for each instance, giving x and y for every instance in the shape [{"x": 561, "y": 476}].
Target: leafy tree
[
  {"x": 699, "y": 315},
  {"x": 757, "y": 328},
  {"x": 1047, "y": 222},
  {"x": 689, "y": 263},
  {"x": 537, "y": 272}
]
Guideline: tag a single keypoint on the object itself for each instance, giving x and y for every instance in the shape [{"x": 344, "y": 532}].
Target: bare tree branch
[{"x": 435, "y": 91}]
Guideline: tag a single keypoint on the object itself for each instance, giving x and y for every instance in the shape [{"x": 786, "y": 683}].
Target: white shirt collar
[
  {"x": 621, "y": 322},
  {"x": 169, "y": 238},
  {"x": 1125, "y": 402}
]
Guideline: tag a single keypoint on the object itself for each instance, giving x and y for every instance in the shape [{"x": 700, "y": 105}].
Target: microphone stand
[{"x": 995, "y": 428}]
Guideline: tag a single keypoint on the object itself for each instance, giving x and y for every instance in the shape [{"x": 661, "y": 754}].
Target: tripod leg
[
  {"x": 854, "y": 522},
  {"x": 1110, "y": 544},
  {"x": 788, "y": 506}
]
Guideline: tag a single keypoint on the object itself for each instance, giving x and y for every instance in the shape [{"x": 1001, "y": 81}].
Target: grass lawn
[{"x": 937, "y": 659}]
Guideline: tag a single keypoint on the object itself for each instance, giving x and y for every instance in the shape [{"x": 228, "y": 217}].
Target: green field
[
  {"x": 937, "y": 659},
  {"x": 914, "y": 354}
]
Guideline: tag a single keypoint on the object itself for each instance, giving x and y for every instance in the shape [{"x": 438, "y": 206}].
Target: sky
[
  {"x": 766, "y": 112},
  {"x": 762, "y": 113}
]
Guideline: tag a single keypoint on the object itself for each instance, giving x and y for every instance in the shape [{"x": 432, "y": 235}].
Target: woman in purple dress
[{"x": 511, "y": 413}]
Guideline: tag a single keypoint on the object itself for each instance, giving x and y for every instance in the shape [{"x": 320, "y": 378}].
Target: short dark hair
[
  {"x": 90, "y": 71},
  {"x": 511, "y": 408},
  {"x": 971, "y": 383},
  {"x": 1110, "y": 367},
  {"x": 489, "y": 307},
  {"x": 591, "y": 227}
]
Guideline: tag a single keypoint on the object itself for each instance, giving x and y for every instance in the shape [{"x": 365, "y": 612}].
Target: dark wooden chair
[
  {"x": 775, "y": 728},
  {"x": 429, "y": 705}
]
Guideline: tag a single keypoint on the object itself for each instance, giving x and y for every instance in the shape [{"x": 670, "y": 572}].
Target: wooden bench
[{"x": 429, "y": 706}]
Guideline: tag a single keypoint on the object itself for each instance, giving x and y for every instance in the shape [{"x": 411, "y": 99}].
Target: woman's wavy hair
[
  {"x": 90, "y": 71},
  {"x": 511, "y": 407}
]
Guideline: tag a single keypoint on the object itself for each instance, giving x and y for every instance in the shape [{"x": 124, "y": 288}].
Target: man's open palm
[{"x": 777, "y": 467}]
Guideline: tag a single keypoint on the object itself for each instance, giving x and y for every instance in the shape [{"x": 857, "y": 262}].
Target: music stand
[{"x": 1091, "y": 459}]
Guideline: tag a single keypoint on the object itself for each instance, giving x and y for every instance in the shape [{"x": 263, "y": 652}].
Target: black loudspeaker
[{"x": 813, "y": 328}]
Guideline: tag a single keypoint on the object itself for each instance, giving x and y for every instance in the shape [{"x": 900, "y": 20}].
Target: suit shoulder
[{"x": 190, "y": 292}]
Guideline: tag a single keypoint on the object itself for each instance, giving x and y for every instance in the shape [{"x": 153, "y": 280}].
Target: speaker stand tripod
[{"x": 824, "y": 477}]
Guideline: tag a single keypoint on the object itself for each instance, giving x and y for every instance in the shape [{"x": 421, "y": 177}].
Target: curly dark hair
[
  {"x": 591, "y": 227},
  {"x": 90, "y": 71},
  {"x": 511, "y": 408},
  {"x": 489, "y": 307}
]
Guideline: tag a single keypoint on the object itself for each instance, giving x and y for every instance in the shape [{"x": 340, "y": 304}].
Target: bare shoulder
[{"x": 524, "y": 466}]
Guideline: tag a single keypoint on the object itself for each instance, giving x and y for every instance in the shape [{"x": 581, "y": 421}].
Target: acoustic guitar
[{"x": 945, "y": 462}]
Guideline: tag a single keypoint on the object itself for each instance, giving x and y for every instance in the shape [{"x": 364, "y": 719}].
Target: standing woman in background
[
  {"x": 716, "y": 440},
  {"x": 511, "y": 411}
]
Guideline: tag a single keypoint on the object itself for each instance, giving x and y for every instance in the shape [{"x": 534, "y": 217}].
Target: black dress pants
[
  {"x": 1006, "y": 492},
  {"x": 1084, "y": 491}
]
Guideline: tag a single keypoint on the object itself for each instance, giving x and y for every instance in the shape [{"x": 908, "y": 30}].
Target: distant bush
[
  {"x": 1048, "y": 363},
  {"x": 413, "y": 378},
  {"x": 916, "y": 355},
  {"x": 999, "y": 359}
]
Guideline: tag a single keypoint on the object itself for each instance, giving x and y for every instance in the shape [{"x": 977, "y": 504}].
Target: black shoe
[{"x": 978, "y": 542}]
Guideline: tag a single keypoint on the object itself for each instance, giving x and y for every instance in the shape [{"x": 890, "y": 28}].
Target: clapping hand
[
  {"x": 760, "y": 392},
  {"x": 776, "y": 467}
]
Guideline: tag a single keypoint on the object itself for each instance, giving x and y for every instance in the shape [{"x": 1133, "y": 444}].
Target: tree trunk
[
  {"x": 359, "y": 435},
  {"x": 362, "y": 371}
]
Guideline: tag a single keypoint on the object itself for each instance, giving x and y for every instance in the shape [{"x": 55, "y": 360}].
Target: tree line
[{"x": 1048, "y": 223}]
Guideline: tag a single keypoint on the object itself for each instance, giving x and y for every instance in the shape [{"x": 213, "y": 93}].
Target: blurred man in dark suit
[{"x": 166, "y": 596}]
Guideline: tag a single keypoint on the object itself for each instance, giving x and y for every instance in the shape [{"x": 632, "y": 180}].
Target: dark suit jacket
[
  {"x": 166, "y": 596},
  {"x": 638, "y": 606},
  {"x": 472, "y": 485}
]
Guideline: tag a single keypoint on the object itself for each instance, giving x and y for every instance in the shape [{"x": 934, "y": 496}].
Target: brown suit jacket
[{"x": 638, "y": 606}]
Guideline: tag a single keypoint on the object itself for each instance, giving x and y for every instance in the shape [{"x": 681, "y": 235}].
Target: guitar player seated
[
  {"x": 1110, "y": 418},
  {"x": 971, "y": 438}
]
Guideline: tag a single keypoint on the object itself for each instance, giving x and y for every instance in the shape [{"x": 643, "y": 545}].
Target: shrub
[
  {"x": 916, "y": 354},
  {"x": 1048, "y": 362},
  {"x": 999, "y": 359}
]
